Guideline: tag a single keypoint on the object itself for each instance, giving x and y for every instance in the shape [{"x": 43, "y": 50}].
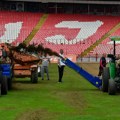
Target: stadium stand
[
  {"x": 107, "y": 45},
  {"x": 16, "y": 26},
  {"x": 72, "y": 32},
  {"x": 60, "y": 31}
]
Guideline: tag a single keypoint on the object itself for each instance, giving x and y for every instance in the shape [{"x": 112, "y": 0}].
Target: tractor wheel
[
  {"x": 34, "y": 76},
  {"x": 0, "y": 81},
  {"x": 0, "y": 89},
  {"x": 112, "y": 87},
  {"x": 4, "y": 86},
  {"x": 105, "y": 79},
  {"x": 39, "y": 74},
  {"x": 9, "y": 82}
]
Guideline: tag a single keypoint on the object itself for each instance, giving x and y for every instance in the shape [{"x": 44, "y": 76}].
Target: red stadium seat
[
  {"x": 76, "y": 46},
  {"x": 72, "y": 32},
  {"x": 25, "y": 19}
]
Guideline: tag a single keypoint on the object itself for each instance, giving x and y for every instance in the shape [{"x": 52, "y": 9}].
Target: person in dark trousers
[
  {"x": 4, "y": 53},
  {"x": 61, "y": 65},
  {"x": 102, "y": 64},
  {"x": 44, "y": 66}
]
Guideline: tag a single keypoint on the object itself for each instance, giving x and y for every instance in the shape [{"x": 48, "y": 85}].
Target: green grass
[{"x": 74, "y": 99}]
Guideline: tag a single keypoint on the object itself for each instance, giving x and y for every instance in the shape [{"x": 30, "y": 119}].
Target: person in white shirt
[{"x": 61, "y": 65}]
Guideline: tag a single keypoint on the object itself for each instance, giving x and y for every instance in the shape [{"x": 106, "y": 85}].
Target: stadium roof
[{"x": 74, "y": 1}]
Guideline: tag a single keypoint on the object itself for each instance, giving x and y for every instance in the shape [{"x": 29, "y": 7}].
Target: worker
[
  {"x": 44, "y": 66},
  {"x": 102, "y": 64},
  {"x": 61, "y": 65}
]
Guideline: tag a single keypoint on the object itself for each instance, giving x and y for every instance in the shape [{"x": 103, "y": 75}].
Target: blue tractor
[
  {"x": 5, "y": 74},
  {"x": 5, "y": 78}
]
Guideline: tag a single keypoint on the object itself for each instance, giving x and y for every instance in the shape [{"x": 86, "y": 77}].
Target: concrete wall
[{"x": 73, "y": 1}]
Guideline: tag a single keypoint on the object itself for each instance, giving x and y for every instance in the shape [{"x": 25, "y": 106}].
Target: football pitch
[{"x": 73, "y": 99}]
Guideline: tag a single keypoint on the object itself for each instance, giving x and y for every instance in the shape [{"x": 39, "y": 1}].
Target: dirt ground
[{"x": 92, "y": 68}]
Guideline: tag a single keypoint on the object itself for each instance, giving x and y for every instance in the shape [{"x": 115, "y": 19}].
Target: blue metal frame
[
  {"x": 6, "y": 69},
  {"x": 92, "y": 79}
]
